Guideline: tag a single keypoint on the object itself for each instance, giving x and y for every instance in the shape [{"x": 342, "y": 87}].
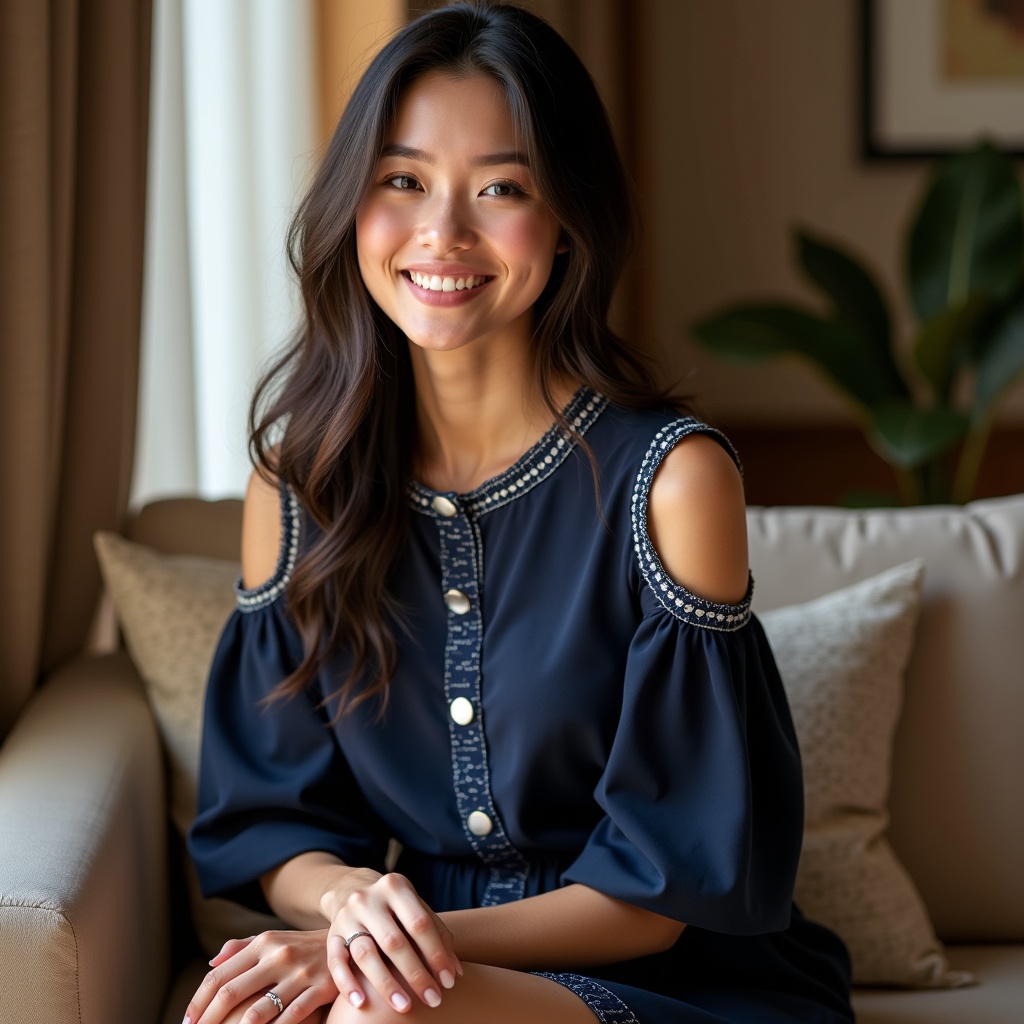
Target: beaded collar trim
[
  {"x": 268, "y": 592},
  {"x": 533, "y": 468},
  {"x": 678, "y": 600}
]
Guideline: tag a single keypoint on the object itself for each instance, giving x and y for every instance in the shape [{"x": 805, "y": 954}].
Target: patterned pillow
[
  {"x": 171, "y": 609},
  {"x": 842, "y": 659}
]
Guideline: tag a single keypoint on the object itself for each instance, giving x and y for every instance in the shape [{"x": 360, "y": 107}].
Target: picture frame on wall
[{"x": 939, "y": 75}]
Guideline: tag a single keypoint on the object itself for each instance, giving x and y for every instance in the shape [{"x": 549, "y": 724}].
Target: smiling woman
[
  {"x": 496, "y": 604},
  {"x": 452, "y": 202}
]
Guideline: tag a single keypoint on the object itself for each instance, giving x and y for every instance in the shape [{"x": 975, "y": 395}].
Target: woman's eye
[
  {"x": 402, "y": 181},
  {"x": 502, "y": 189}
]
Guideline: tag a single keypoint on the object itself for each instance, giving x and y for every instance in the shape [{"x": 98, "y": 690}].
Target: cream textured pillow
[
  {"x": 171, "y": 609},
  {"x": 842, "y": 659}
]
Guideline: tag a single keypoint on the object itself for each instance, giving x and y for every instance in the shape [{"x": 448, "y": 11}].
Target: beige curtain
[{"x": 74, "y": 87}]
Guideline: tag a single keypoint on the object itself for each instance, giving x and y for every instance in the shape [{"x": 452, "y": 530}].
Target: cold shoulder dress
[{"x": 563, "y": 712}]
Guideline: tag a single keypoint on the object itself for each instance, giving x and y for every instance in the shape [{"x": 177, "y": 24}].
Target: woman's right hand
[{"x": 406, "y": 947}]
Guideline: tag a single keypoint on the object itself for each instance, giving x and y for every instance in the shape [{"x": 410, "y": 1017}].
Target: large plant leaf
[
  {"x": 1001, "y": 361},
  {"x": 910, "y": 437},
  {"x": 754, "y": 333},
  {"x": 968, "y": 234},
  {"x": 947, "y": 341},
  {"x": 857, "y": 300}
]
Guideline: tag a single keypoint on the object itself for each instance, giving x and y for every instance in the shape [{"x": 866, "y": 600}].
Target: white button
[
  {"x": 457, "y": 601},
  {"x": 479, "y": 823},
  {"x": 444, "y": 506},
  {"x": 462, "y": 711}
]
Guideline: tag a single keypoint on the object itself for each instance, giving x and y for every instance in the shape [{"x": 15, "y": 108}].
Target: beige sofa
[{"x": 91, "y": 929}]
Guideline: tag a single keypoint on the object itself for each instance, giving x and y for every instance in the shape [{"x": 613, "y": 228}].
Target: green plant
[{"x": 965, "y": 277}]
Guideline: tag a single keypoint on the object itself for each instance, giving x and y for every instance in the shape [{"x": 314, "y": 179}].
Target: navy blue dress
[{"x": 562, "y": 712}]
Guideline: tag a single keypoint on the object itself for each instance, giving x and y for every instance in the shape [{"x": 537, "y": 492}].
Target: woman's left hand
[{"x": 291, "y": 964}]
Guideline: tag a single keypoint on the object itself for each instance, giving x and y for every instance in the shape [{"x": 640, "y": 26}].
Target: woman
[{"x": 534, "y": 664}]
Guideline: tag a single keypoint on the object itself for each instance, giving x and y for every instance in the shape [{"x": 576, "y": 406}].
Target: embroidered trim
[
  {"x": 461, "y": 554},
  {"x": 684, "y": 605},
  {"x": 533, "y": 468},
  {"x": 608, "y": 1007},
  {"x": 288, "y": 553}
]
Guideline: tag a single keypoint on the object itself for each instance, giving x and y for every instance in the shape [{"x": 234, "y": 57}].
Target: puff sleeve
[
  {"x": 702, "y": 791},
  {"x": 273, "y": 781}
]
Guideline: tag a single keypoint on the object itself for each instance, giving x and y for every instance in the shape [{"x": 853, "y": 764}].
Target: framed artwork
[{"x": 938, "y": 75}]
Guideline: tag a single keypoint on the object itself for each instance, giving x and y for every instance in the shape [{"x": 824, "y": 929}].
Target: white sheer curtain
[{"x": 232, "y": 142}]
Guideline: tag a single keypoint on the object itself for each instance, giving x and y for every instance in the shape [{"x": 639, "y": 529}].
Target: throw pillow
[
  {"x": 171, "y": 609},
  {"x": 842, "y": 659}
]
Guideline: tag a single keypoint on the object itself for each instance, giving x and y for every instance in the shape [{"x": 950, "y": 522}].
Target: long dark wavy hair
[{"x": 334, "y": 416}]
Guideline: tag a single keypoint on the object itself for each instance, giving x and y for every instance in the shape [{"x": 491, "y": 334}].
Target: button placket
[{"x": 461, "y": 572}]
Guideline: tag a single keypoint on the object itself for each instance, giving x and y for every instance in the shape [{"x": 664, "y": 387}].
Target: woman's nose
[{"x": 446, "y": 226}]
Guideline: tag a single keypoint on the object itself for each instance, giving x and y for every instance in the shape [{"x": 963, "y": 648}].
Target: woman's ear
[{"x": 563, "y": 243}]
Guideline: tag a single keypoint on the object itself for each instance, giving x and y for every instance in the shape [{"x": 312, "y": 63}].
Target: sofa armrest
[{"x": 84, "y": 925}]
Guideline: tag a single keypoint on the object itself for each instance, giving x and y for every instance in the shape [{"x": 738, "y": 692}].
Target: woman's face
[{"x": 455, "y": 244}]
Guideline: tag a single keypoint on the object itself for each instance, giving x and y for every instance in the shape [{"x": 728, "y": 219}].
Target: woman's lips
[{"x": 445, "y": 289}]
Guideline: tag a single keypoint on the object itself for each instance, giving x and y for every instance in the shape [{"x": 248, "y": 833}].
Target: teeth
[{"x": 436, "y": 283}]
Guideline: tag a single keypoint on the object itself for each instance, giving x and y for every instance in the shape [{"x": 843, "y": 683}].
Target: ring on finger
[
  {"x": 275, "y": 999},
  {"x": 355, "y": 935}
]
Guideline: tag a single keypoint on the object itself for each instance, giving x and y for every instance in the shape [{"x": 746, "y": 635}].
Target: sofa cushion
[
  {"x": 958, "y": 760},
  {"x": 171, "y": 609},
  {"x": 998, "y": 997},
  {"x": 842, "y": 658}
]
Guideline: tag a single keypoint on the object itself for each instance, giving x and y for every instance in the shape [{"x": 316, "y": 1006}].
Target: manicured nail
[
  {"x": 447, "y": 978},
  {"x": 400, "y": 1001},
  {"x": 356, "y": 999},
  {"x": 431, "y": 997},
  {"x": 187, "y": 1020}
]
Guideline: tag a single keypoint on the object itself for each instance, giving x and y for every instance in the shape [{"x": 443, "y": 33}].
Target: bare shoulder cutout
[
  {"x": 261, "y": 531},
  {"x": 696, "y": 519}
]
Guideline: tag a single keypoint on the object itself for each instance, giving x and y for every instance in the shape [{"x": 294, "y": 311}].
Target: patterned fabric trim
[
  {"x": 533, "y": 468},
  {"x": 607, "y": 1006},
  {"x": 684, "y": 605},
  {"x": 291, "y": 525},
  {"x": 461, "y": 551}
]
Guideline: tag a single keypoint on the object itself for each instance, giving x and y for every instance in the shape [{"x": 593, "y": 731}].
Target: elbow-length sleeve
[
  {"x": 702, "y": 791},
  {"x": 273, "y": 781}
]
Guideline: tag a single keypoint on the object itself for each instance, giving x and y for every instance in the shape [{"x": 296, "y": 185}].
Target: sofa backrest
[{"x": 957, "y": 798}]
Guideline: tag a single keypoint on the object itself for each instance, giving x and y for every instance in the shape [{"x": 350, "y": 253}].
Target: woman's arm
[{"x": 571, "y": 928}]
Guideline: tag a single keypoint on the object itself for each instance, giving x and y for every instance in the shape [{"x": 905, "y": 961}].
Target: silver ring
[
  {"x": 275, "y": 999},
  {"x": 355, "y": 935}
]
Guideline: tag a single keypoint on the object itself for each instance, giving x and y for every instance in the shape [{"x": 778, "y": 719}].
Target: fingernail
[
  {"x": 356, "y": 999},
  {"x": 187, "y": 1020},
  {"x": 431, "y": 997},
  {"x": 447, "y": 978},
  {"x": 400, "y": 1001}
]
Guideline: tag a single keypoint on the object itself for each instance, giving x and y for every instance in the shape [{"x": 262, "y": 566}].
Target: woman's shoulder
[
  {"x": 696, "y": 519},
  {"x": 687, "y": 508},
  {"x": 261, "y": 529},
  {"x": 271, "y": 528}
]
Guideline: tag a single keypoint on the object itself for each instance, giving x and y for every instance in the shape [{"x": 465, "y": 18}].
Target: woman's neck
[{"x": 476, "y": 416}]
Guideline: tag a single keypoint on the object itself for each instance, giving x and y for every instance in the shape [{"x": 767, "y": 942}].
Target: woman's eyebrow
[{"x": 488, "y": 160}]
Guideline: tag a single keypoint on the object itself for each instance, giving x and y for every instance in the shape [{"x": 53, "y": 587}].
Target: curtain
[
  {"x": 74, "y": 81},
  {"x": 233, "y": 140}
]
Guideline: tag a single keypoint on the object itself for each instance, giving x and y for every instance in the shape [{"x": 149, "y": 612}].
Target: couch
[{"x": 93, "y": 921}]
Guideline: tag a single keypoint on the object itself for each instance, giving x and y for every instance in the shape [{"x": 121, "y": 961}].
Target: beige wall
[
  {"x": 753, "y": 128},
  {"x": 745, "y": 123}
]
